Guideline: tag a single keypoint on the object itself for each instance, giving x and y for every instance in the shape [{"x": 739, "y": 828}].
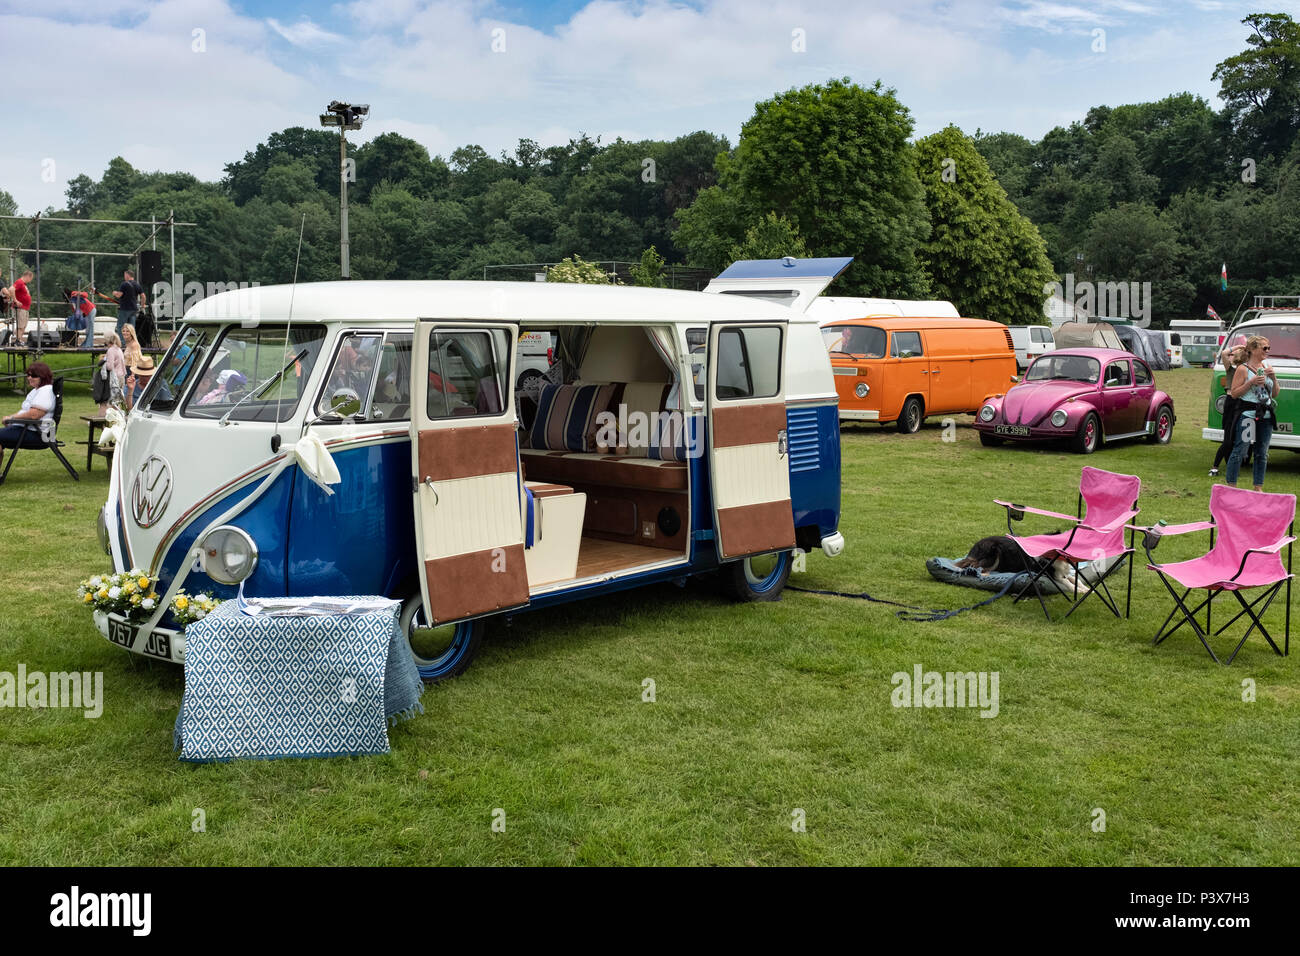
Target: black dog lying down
[
  {"x": 998, "y": 553},
  {"x": 1001, "y": 554}
]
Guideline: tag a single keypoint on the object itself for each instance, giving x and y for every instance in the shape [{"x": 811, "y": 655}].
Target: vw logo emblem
[{"x": 151, "y": 491}]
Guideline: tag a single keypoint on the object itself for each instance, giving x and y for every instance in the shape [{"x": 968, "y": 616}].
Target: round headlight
[
  {"x": 1059, "y": 417},
  {"x": 862, "y": 390},
  {"x": 1219, "y": 403},
  {"x": 101, "y": 528},
  {"x": 229, "y": 555},
  {"x": 987, "y": 413}
]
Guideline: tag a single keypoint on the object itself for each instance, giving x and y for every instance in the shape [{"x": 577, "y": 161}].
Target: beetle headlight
[
  {"x": 101, "y": 529},
  {"x": 229, "y": 555},
  {"x": 987, "y": 413},
  {"x": 862, "y": 390},
  {"x": 1219, "y": 403},
  {"x": 1059, "y": 417}
]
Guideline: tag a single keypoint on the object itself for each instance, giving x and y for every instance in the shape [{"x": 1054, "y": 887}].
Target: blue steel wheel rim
[
  {"x": 432, "y": 659},
  {"x": 765, "y": 570}
]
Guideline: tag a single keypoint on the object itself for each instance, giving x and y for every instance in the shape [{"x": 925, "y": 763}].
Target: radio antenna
[{"x": 275, "y": 439}]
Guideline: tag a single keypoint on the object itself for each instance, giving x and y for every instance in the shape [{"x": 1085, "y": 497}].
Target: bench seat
[{"x": 624, "y": 471}]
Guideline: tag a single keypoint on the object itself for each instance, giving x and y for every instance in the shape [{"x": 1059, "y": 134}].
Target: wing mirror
[{"x": 343, "y": 403}]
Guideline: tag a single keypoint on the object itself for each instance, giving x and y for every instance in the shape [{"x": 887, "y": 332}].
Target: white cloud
[
  {"x": 304, "y": 33},
  {"x": 645, "y": 69}
]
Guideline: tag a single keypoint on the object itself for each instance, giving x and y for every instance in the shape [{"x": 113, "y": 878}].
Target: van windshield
[
  {"x": 251, "y": 373},
  {"x": 854, "y": 340},
  {"x": 162, "y": 388},
  {"x": 1283, "y": 339}
]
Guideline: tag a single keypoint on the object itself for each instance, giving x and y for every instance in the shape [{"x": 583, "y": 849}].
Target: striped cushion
[{"x": 565, "y": 414}]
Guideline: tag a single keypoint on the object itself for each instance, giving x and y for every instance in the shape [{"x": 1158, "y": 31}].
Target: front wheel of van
[
  {"x": 909, "y": 419},
  {"x": 760, "y": 578},
  {"x": 439, "y": 652}
]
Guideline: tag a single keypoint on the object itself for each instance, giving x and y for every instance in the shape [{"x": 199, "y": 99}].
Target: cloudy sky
[{"x": 192, "y": 84}]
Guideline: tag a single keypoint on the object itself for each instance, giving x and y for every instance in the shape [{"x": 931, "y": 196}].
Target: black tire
[
  {"x": 1164, "y": 429},
  {"x": 910, "y": 418},
  {"x": 527, "y": 377},
  {"x": 760, "y": 578},
  {"x": 989, "y": 441},
  {"x": 1088, "y": 437},
  {"x": 440, "y": 653}
]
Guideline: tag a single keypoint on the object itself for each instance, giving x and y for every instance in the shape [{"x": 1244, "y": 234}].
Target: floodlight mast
[{"x": 345, "y": 116}]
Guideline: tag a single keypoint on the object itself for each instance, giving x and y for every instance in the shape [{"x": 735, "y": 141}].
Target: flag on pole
[
  {"x": 1223, "y": 277},
  {"x": 1209, "y": 310}
]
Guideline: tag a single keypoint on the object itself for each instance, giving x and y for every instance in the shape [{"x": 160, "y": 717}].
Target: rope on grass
[{"x": 908, "y": 612}]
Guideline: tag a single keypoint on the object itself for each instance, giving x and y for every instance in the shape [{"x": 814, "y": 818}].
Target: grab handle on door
[
  {"x": 429, "y": 481},
  {"x": 782, "y": 443}
]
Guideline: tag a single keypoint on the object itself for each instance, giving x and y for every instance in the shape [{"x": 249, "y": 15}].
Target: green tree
[
  {"x": 393, "y": 158},
  {"x": 1261, "y": 86},
  {"x": 982, "y": 254},
  {"x": 772, "y": 237},
  {"x": 317, "y": 148},
  {"x": 649, "y": 271},
  {"x": 834, "y": 160}
]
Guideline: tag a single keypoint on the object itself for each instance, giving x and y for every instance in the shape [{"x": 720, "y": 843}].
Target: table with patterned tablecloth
[{"x": 264, "y": 687}]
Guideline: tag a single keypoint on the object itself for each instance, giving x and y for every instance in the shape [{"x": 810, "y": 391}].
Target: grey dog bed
[{"x": 946, "y": 570}]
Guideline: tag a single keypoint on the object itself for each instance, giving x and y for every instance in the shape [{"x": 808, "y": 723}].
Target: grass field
[{"x": 760, "y": 710}]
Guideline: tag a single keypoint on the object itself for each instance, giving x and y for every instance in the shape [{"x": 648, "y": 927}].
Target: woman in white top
[{"x": 24, "y": 428}]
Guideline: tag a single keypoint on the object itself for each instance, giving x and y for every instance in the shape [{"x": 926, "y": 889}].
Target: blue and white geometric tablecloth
[{"x": 262, "y": 688}]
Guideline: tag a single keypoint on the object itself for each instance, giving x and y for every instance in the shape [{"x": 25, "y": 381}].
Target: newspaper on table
[{"x": 311, "y": 606}]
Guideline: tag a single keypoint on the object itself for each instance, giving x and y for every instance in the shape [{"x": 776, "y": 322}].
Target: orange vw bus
[{"x": 902, "y": 370}]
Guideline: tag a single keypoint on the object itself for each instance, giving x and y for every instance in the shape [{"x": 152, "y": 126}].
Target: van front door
[
  {"x": 909, "y": 374},
  {"x": 748, "y": 460},
  {"x": 465, "y": 466}
]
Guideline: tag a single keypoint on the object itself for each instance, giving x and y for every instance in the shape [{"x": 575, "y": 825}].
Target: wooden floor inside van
[{"x": 596, "y": 557}]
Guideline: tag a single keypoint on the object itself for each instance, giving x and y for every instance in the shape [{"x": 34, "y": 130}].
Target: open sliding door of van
[
  {"x": 465, "y": 464},
  {"x": 747, "y": 439}
]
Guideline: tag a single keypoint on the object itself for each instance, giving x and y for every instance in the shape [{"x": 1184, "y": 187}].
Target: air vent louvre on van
[
  {"x": 1011, "y": 346},
  {"x": 805, "y": 446}
]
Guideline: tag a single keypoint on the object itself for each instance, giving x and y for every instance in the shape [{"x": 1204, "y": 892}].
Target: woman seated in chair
[{"x": 38, "y": 407}]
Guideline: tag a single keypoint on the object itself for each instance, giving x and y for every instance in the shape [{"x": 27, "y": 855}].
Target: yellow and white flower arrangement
[
  {"x": 188, "y": 608},
  {"x": 130, "y": 594}
]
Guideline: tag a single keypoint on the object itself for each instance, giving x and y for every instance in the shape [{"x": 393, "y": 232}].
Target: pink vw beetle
[{"x": 1086, "y": 395}]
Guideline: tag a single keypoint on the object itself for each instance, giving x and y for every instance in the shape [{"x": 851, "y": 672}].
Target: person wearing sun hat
[{"x": 142, "y": 370}]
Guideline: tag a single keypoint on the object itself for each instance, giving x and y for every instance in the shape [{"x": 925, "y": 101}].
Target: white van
[
  {"x": 700, "y": 435},
  {"x": 1031, "y": 341},
  {"x": 1173, "y": 347}
]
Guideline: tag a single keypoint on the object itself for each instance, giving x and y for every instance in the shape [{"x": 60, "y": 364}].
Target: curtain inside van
[{"x": 662, "y": 340}]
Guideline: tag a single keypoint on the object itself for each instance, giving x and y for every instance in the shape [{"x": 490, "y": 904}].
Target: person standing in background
[
  {"x": 1256, "y": 385},
  {"x": 129, "y": 298},
  {"x": 21, "y": 297}
]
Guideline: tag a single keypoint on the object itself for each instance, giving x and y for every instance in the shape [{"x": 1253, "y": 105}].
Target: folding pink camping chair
[
  {"x": 1253, "y": 527},
  {"x": 1107, "y": 502}
]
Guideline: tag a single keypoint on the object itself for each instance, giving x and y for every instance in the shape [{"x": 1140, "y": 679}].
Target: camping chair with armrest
[
  {"x": 33, "y": 438},
  {"x": 1107, "y": 502},
  {"x": 1248, "y": 530}
]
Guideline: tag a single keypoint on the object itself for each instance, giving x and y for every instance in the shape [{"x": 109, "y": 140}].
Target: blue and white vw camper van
[{"x": 366, "y": 438}]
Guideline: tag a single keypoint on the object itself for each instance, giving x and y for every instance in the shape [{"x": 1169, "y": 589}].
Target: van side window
[
  {"x": 905, "y": 344},
  {"x": 749, "y": 362},
  {"x": 353, "y": 371},
  {"x": 1040, "y": 334},
  {"x": 393, "y": 386},
  {"x": 466, "y": 375}
]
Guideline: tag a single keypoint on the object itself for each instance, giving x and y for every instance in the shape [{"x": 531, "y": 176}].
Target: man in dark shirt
[{"x": 127, "y": 296}]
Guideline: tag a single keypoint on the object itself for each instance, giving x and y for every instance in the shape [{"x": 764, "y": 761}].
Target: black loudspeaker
[
  {"x": 669, "y": 521},
  {"x": 150, "y": 271}
]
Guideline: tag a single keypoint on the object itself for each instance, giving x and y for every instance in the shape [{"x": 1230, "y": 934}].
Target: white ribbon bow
[
  {"x": 316, "y": 463},
  {"x": 112, "y": 433}
]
